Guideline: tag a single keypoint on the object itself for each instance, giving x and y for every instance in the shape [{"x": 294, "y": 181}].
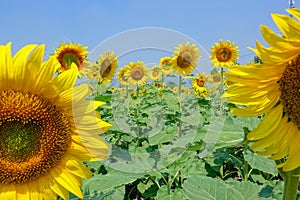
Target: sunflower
[
  {"x": 46, "y": 127},
  {"x": 123, "y": 80},
  {"x": 137, "y": 73},
  {"x": 185, "y": 58},
  {"x": 198, "y": 85},
  {"x": 107, "y": 65},
  {"x": 273, "y": 88},
  {"x": 66, "y": 54},
  {"x": 166, "y": 65},
  {"x": 216, "y": 78},
  {"x": 155, "y": 73},
  {"x": 175, "y": 89},
  {"x": 224, "y": 54},
  {"x": 198, "y": 82}
]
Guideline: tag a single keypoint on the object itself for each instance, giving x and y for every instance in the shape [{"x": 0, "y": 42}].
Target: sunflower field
[{"x": 71, "y": 128}]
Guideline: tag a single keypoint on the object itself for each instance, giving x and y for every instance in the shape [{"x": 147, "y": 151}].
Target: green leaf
[
  {"x": 248, "y": 190},
  {"x": 136, "y": 163},
  {"x": 172, "y": 102},
  {"x": 116, "y": 194},
  {"x": 233, "y": 130},
  {"x": 202, "y": 187},
  {"x": 258, "y": 178},
  {"x": 105, "y": 183},
  {"x": 110, "y": 195},
  {"x": 260, "y": 162},
  {"x": 165, "y": 194},
  {"x": 164, "y": 136},
  {"x": 142, "y": 187},
  {"x": 224, "y": 132}
]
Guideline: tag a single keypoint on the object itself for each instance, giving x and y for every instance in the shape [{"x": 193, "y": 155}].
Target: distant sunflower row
[{"x": 184, "y": 61}]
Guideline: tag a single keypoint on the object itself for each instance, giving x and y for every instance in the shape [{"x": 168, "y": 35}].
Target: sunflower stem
[
  {"x": 221, "y": 91},
  {"x": 126, "y": 87},
  {"x": 162, "y": 81},
  {"x": 179, "y": 85},
  {"x": 290, "y": 185},
  {"x": 179, "y": 93},
  {"x": 137, "y": 91},
  {"x": 137, "y": 114}
]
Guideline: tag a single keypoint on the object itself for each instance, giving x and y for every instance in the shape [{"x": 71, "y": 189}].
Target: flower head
[
  {"x": 272, "y": 88},
  {"x": 137, "y": 73},
  {"x": 46, "y": 127},
  {"x": 123, "y": 80},
  {"x": 185, "y": 58},
  {"x": 155, "y": 73},
  {"x": 198, "y": 84},
  {"x": 166, "y": 65},
  {"x": 224, "y": 54},
  {"x": 69, "y": 53},
  {"x": 107, "y": 65}
]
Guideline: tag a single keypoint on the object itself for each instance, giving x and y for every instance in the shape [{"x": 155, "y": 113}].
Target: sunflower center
[
  {"x": 289, "y": 85},
  {"x": 200, "y": 83},
  {"x": 165, "y": 62},
  {"x": 34, "y": 135},
  {"x": 224, "y": 55},
  {"x": 105, "y": 68},
  {"x": 184, "y": 60},
  {"x": 155, "y": 73},
  {"x": 18, "y": 141},
  {"x": 216, "y": 78},
  {"x": 137, "y": 74},
  {"x": 167, "y": 67}
]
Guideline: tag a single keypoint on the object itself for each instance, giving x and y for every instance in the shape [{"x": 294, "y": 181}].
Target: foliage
[{"x": 166, "y": 146}]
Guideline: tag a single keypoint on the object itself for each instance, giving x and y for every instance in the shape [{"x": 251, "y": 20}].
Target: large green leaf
[
  {"x": 260, "y": 162},
  {"x": 233, "y": 130},
  {"x": 202, "y": 187},
  {"x": 109, "y": 186},
  {"x": 224, "y": 132},
  {"x": 248, "y": 190},
  {"x": 105, "y": 183}
]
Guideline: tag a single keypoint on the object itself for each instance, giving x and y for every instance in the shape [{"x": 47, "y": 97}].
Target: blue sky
[{"x": 91, "y": 22}]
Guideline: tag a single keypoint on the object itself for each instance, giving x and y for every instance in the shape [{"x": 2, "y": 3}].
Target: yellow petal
[
  {"x": 67, "y": 180},
  {"x": 22, "y": 191},
  {"x": 277, "y": 41},
  {"x": 46, "y": 73},
  {"x": 288, "y": 26},
  {"x": 255, "y": 110},
  {"x": 76, "y": 167},
  {"x": 66, "y": 79},
  {"x": 283, "y": 143},
  {"x": 268, "y": 124},
  {"x": 295, "y": 12},
  {"x": 57, "y": 188},
  {"x": 20, "y": 70},
  {"x": 8, "y": 192},
  {"x": 293, "y": 160},
  {"x": 98, "y": 104},
  {"x": 36, "y": 189},
  {"x": 271, "y": 56},
  {"x": 5, "y": 65},
  {"x": 33, "y": 65},
  {"x": 271, "y": 141}
]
